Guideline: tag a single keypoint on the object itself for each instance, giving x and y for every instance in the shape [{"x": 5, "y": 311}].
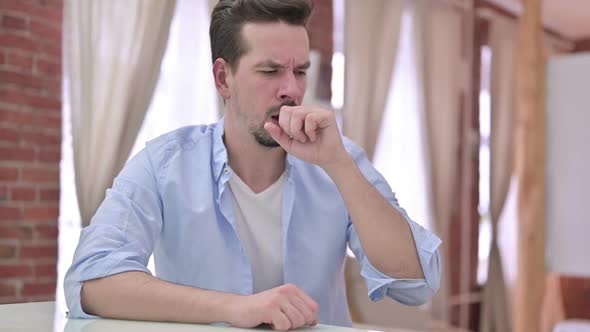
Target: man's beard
[{"x": 260, "y": 134}]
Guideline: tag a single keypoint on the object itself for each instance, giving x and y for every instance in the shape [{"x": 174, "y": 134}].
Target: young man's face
[{"x": 271, "y": 73}]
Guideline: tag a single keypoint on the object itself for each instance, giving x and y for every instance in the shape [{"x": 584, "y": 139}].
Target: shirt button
[{"x": 225, "y": 171}]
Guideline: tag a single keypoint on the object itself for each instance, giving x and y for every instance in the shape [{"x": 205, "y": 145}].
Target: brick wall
[
  {"x": 30, "y": 138},
  {"x": 320, "y": 28}
]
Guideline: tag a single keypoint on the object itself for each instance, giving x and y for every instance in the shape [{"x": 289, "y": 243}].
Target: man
[{"x": 249, "y": 218}]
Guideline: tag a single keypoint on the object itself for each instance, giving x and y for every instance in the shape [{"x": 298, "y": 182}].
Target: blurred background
[{"x": 474, "y": 111}]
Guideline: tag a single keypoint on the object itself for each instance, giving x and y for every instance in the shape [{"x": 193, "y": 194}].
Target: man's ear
[{"x": 222, "y": 76}]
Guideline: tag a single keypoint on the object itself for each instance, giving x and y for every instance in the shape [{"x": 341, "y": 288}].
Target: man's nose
[{"x": 290, "y": 88}]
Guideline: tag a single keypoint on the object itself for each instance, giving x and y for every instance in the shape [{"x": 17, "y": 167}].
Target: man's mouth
[{"x": 274, "y": 111}]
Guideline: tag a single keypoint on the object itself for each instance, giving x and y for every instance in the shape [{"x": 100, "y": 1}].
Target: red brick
[
  {"x": 14, "y": 22},
  {"x": 36, "y": 137},
  {"x": 23, "y": 193},
  {"x": 13, "y": 96},
  {"x": 38, "y": 251},
  {"x": 53, "y": 87},
  {"x": 20, "y": 61},
  {"x": 11, "y": 300},
  {"x": 8, "y": 173},
  {"x": 45, "y": 102},
  {"x": 45, "y": 31},
  {"x": 19, "y": 97},
  {"x": 48, "y": 213},
  {"x": 7, "y": 289},
  {"x": 49, "y": 195},
  {"x": 7, "y": 251},
  {"x": 45, "y": 270},
  {"x": 17, "y": 117},
  {"x": 24, "y": 80},
  {"x": 18, "y": 42},
  {"x": 40, "y": 175},
  {"x": 3, "y": 193},
  {"x": 17, "y": 154},
  {"x": 52, "y": 3},
  {"x": 16, "y": 233},
  {"x": 49, "y": 154},
  {"x": 51, "y": 49},
  {"x": 44, "y": 288},
  {"x": 46, "y": 232},
  {"x": 15, "y": 271},
  {"x": 2, "y": 58},
  {"x": 9, "y": 135},
  {"x": 32, "y": 136},
  {"x": 49, "y": 121},
  {"x": 52, "y": 13},
  {"x": 48, "y": 68},
  {"x": 10, "y": 213}
]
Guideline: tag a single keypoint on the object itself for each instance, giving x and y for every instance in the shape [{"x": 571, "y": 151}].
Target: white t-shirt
[{"x": 259, "y": 226}]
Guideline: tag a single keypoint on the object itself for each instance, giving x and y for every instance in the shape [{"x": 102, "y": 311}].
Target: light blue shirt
[{"x": 173, "y": 200}]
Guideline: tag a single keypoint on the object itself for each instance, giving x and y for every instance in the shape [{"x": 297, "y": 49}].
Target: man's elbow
[
  {"x": 87, "y": 298},
  {"x": 414, "y": 297}
]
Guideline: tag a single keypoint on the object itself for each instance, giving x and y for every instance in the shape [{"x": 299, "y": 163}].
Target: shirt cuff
[
  {"x": 406, "y": 290},
  {"x": 73, "y": 284}
]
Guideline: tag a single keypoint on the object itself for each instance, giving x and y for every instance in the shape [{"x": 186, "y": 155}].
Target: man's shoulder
[
  {"x": 189, "y": 139},
  {"x": 182, "y": 137}
]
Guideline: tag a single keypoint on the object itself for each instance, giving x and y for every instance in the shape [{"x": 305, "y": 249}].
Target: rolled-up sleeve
[
  {"x": 122, "y": 233},
  {"x": 404, "y": 290}
]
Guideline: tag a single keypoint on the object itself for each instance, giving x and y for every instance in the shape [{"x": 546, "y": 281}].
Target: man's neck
[{"x": 258, "y": 166}]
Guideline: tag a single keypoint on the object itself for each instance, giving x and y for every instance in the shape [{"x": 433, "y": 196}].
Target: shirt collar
[
  {"x": 219, "y": 151},
  {"x": 220, "y": 159}
]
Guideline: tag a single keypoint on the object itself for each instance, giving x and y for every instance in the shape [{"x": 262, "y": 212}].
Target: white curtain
[
  {"x": 401, "y": 152},
  {"x": 113, "y": 51},
  {"x": 439, "y": 31},
  {"x": 372, "y": 31},
  {"x": 185, "y": 95},
  {"x": 503, "y": 46}
]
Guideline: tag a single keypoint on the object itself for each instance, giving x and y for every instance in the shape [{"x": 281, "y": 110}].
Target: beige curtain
[
  {"x": 438, "y": 27},
  {"x": 372, "y": 31},
  {"x": 503, "y": 45},
  {"x": 113, "y": 51}
]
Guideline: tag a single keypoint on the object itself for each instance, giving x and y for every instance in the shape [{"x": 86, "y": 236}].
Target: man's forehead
[
  {"x": 272, "y": 35},
  {"x": 275, "y": 44},
  {"x": 275, "y": 63}
]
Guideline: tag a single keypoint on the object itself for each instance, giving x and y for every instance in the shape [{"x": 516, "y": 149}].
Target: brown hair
[{"x": 229, "y": 16}]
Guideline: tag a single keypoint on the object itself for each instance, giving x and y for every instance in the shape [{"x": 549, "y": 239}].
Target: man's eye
[
  {"x": 301, "y": 73},
  {"x": 269, "y": 72}
]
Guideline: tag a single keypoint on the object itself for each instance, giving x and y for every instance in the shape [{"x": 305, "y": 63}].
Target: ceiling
[{"x": 569, "y": 18}]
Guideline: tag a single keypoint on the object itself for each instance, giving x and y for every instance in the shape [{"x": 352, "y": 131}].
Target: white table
[{"x": 39, "y": 317}]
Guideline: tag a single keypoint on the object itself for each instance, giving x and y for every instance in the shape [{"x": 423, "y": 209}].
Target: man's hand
[
  {"x": 310, "y": 134},
  {"x": 283, "y": 308}
]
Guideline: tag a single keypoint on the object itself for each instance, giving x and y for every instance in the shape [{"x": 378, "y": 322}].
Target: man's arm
[
  {"x": 312, "y": 134},
  {"x": 381, "y": 228},
  {"x": 140, "y": 296}
]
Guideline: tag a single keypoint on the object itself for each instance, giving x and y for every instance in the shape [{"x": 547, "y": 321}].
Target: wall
[
  {"x": 320, "y": 29},
  {"x": 30, "y": 138}
]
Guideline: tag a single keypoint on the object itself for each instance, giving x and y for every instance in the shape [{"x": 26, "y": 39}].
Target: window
[{"x": 485, "y": 226}]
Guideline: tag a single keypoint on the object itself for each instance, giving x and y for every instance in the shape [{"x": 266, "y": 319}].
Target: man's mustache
[{"x": 276, "y": 109}]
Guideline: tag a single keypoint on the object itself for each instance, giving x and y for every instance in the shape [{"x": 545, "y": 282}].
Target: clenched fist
[
  {"x": 310, "y": 134},
  {"x": 283, "y": 308}
]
